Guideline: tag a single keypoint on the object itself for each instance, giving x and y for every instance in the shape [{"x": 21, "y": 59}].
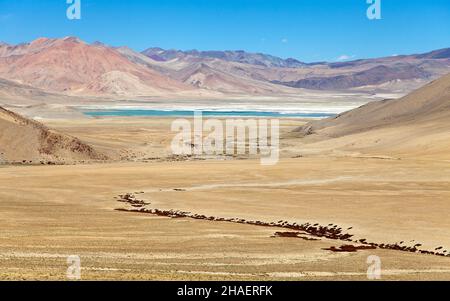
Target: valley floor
[{"x": 48, "y": 213}]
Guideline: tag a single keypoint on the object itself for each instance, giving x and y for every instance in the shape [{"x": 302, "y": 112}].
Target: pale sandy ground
[
  {"x": 50, "y": 212},
  {"x": 141, "y": 138}
]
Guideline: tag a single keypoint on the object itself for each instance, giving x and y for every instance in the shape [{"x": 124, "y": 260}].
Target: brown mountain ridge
[{"x": 23, "y": 140}]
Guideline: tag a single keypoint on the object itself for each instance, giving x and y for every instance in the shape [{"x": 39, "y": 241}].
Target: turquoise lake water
[{"x": 175, "y": 113}]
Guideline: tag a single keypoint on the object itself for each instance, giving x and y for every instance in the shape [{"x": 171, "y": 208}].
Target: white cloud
[
  {"x": 345, "y": 57},
  {"x": 284, "y": 40}
]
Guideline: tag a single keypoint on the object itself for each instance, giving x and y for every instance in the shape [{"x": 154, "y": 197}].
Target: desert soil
[{"x": 50, "y": 212}]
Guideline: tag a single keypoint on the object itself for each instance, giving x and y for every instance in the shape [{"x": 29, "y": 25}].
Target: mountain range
[
  {"x": 238, "y": 56},
  {"x": 73, "y": 67}
]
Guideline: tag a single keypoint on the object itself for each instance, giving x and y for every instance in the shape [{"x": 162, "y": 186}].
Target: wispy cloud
[
  {"x": 345, "y": 57},
  {"x": 284, "y": 40}
]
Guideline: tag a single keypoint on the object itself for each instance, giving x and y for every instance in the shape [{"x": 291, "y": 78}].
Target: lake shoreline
[{"x": 205, "y": 113}]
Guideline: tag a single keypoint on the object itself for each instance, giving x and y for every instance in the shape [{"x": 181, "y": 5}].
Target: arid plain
[
  {"x": 374, "y": 180},
  {"x": 51, "y": 212}
]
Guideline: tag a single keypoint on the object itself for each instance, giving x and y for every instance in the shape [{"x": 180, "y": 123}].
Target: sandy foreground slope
[
  {"x": 417, "y": 125},
  {"x": 23, "y": 140},
  {"x": 50, "y": 212}
]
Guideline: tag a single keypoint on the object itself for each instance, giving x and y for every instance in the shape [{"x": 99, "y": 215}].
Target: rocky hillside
[{"x": 26, "y": 141}]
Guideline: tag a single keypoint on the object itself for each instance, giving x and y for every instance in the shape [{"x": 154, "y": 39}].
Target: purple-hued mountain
[
  {"x": 373, "y": 76},
  {"x": 238, "y": 56},
  {"x": 71, "y": 66}
]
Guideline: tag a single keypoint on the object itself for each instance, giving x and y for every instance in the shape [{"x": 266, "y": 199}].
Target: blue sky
[{"x": 309, "y": 30}]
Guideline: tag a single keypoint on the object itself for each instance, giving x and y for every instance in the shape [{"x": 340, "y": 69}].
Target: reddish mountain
[
  {"x": 70, "y": 65},
  {"x": 73, "y": 67}
]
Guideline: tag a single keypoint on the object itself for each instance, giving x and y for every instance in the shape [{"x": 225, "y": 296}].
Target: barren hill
[
  {"x": 70, "y": 65},
  {"x": 374, "y": 76},
  {"x": 210, "y": 77},
  {"x": 24, "y": 140},
  {"x": 417, "y": 124}
]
